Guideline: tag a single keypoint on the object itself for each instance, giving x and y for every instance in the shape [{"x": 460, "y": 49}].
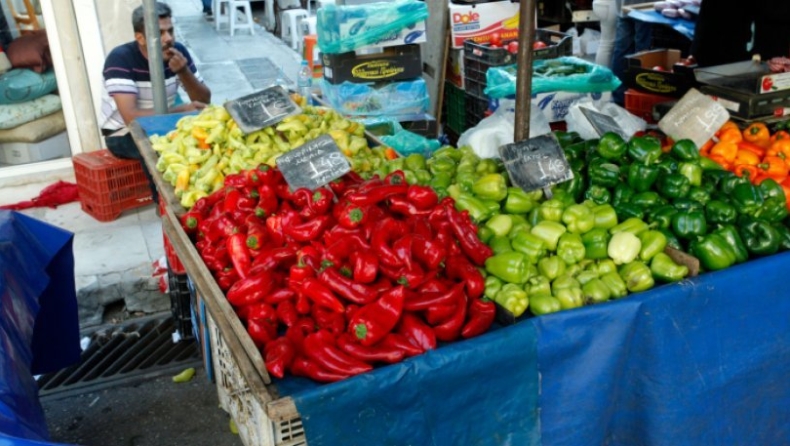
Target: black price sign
[
  {"x": 262, "y": 109},
  {"x": 603, "y": 123},
  {"x": 313, "y": 164},
  {"x": 536, "y": 163}
]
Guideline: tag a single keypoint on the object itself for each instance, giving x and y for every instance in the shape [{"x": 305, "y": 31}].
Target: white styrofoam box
[
  {"x": 479, "y": 22},
  {"x": 23, "y": 152}
]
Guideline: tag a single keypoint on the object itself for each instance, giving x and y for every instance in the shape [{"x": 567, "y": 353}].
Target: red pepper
[
  {"x": 422, "y": 196},
  {"x": 281, "y": 295},
  {"x": 251, "y": 177},
  {"x": 410, "y": 278},
  {"x": 215, "y": 257},
  {"x": 274, "y": 230},
  {"x": 342, "y": 249},
  {"x": 297, "y": 332},
  {"x": 309, "y": 230},
  {"x": 417, "y": 331},
  {"x": 330, "y": 321},
  {"x": 190, "y": 221},
  {"x": 377, "y": 194},
  {"x": 438, "y": 216},
  {"x": 239, "y": 255},
  {"x": 251, "y": 290},
  {"x": 399, "y": 341},
  {"x": 439, "y": 314},
  {"x": 300, "y": 271},
  {"x": 318, "y": 201},
  {"x": 446, "y": 239},
  {"x": 382, "y": 285},
  {"x": 286, "y": 313},
  {"x": 350, "y": 310},
  {"x": 365, "y": 186},
  {"x": 350, "y": 215},
  {"x": 396, "y": 178},
  {"x": 307, "y": 368},
  {"x": 373, "y": 321},
  {"x": 226, "y": 278},
  {"x": 321, "y": 295},
  {"x": 261, "y": 323},
  {"x": 247, "y": 203},
  {"x": 303, "y": 306},
  {"x": 205, "y": 204},
  {"x": 481, "y": 316},
  {"x": 231, "y": 201},
  {"x": 424, "y": 301},
  {"x": 338, "y": 233},
  {"x": 346, "y": 288},
  {"x": 435, "y": 285},
  {"x": 278, "y": 356},
  {"x": 220, "y": 227},
  {"x": 284, "y": 193},
  {"x": 377, "y": 353},
  {"x": 260, "y": 333},
  {"x": 320, "y": 347},
  {"x": 402, "y": 248},
  {"x": 235, "y": 180},
  {"x": 386, "y": 230},
  {"x": 429, "y": 253},
  {"x": 471, "y": 245},
  {"x": 366, "y": 266},
  {"x": 270, "y": 176},
  {"x": 458, "y": 267},
  {"x": 267, "y": 201},
  {"x": 271, "y": 259},
  {"x": 399, "y": 204},
  {"x": 450, "y": 330},
  {"x": 339, "y": 185},
  {"x": 256, "y": 234}
]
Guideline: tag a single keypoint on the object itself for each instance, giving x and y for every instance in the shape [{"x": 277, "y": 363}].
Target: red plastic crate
[
  {"x": 641, "y": 104},
  {"x": 108, "y": 185},
  {"x": 172, "y": 258}
]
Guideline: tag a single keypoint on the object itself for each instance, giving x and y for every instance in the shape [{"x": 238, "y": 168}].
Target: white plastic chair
[
  {"x": 290, "y": 22},
  {"x": 231, "y": 15}
]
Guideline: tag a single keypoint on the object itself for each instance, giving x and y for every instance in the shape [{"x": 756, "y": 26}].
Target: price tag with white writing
[
  {"x": 696, "y": 117},
  {"x": 603, "y": 123},
  {"x": 313, "y": 164},
  {"x": 536, "y": 163},
  {"x": 262, "y": 109}
]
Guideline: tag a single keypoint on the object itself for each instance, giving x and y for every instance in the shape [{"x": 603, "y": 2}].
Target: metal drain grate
[{"x": 123, "y": 354}]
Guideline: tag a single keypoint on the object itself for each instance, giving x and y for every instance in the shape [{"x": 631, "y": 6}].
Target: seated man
[{"x": 128, "y": 93}]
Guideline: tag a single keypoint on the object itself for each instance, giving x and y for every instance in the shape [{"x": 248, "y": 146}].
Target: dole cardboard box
[
  {"x": 480, "y": 21},
  {"x": 394, "y": 63}
]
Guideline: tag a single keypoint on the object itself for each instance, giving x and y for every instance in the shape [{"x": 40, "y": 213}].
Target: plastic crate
[
  {"x": 108, "y": 185},
  {"x": 455, "y": 108},
  {"x": 180, "y": 304},
  {"x": 173, "y": 262},
  {"x": 641, "y": 104},
  {"x": 476, "y": 110},
  {"x": 558, "y": 44}
]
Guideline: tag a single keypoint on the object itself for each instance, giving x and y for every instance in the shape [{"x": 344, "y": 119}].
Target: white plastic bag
[
  {"x": 577, "y": 122},
  {"x": 498, "y": 129}
]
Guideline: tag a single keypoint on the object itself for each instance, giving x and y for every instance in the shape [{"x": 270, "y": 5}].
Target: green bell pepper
[
  {"x": 629, "y": 210},
  {"x": 729, "y": 233},
  {"x": 415, "y": 161},
  {"x": 633, "y": 225},
  {"x": 500, "y": 224},
  {"x": 708, "y": 165},
  {"x": 717, "y": 211},
  {"x": 411, "y": 177},
  {"x": 642, "y": 177},
  {"x": 487, "y": 166},
  {"x": 784, "y": 236},
  {"x": 699, "y": 194},
  {"x": 466, "y": 181},
  {"x": 612, "y": 146},
  {"x": 441, "y": 180},
  {"x": 500, "y": 244},
  {"x": 713, "y": 252},
  {"x": 598, "y": 194},
  {"x": 563, "y": 282},
  {"x": 551, "y": 267},
  {"x": 605, "y": 216},
  {"x": 774, "y": 209},
  {"x": 747, "y": 198},
  {"x": 637, "y": 276},
  {"x": 666, "y": 270},
  {"x": 662, "y": 216},
  {"x": 519, "y": 227},
  {"x": 689, "y": 224},
  {"x": 568, "y": 291},
  {"x": 450, "y": 152},
  {"x": 538, "y": 285},
  {"x": 484, "y": 234},
  {"x": 615, "y": 283},
  {"x": 672, "y": 240},
  {"x": 543, "y": 304},
  {"x": 647, "y": 200},
  {"x": 623, "y": 248},
  {"x": 692, "y": 171},
  {"x": 595, "y": 291},
  {"x": 578, "y": 218},
  {"x": 653, "y": 242},
  {"x": 759, "y": 237},
  {"x": 586, "y": 276},
  {"x": 730, "y": 181},
  {"x": 550, "y": 232},
  {"x": 563, "y": 197},
  {"x": 520, "y": 202},
  {"x": 685, "y": 150},
  {"x": 441, "y": 164},
  {"x": 396, "y": 164},
  {"x": 478, "y": 210},
  {"x": 423, "y": 176},
  {"x": 574, "y": 187},
  {"x": 491, "y": 186},
  {"x": 595, "y": 243},
  {"x": 570, "y": 248},
  {"x": 551, "y": 210},
  {"x": 622, "y": 194},
  {"x": 668, "y": 165},
  {"x": 673, "y": 186},
  {"x": 530, "y": 245},
  {"x": 686, "y": 204},
  {"x": 512, "y": 298},
  {"x": 533, "y": 218},
  {"x": 604, "y": 266},
  {"x": 492, "y": 286},
  {"x": 566, "y": 138},
  {"x": 644, "y": 149},
  {"x": 603, "y": 173},
  {"x": 509, "y": 266}
]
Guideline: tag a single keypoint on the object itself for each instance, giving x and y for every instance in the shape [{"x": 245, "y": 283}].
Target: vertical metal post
[
  {"x": 526, "y": 36},
  {"x": 156, "y": 66}
]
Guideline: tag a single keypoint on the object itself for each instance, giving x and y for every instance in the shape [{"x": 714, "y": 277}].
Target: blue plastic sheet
[
  {"x": 683, "y": 26},
  {"x": 39, "y": 326}
]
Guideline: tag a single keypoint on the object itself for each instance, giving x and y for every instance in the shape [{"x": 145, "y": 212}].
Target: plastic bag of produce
[
  {"x": 390, "y": 98},
  {"x": 345, "y": 28},
  {"x": 561, "y": 74},
  {"x": 405, "y": 143}
]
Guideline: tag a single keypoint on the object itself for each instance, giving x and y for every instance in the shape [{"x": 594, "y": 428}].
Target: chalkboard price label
[
  {"x": 313, "y": 164},
  {"x": 536, "y": 163},
  {"x": 262, "y": 109},
  {"x": 603, "y": 123}
]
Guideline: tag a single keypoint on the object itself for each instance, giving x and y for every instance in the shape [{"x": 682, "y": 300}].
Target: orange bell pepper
[
  {"x": 727, "y": 125},
  {"x": 780, "y": 148},
  {"x": 746, "y": 157},
  {"x": 773, "y": 167},
  {"x": 730, "y": 135},
  {"x": 751, "y": 147},
  {"x": 725, "y": 149},
  {"x": 705, "y": 149},
  {"x": 750, "y": 171},
  {"x": 781, "y": 134},
  {"x": 757, "y": 133},
  {"x": 726, "y": 165}
]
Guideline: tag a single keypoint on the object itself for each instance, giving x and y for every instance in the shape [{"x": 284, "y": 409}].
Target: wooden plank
[
  {"x": 638, "y": 7},
  {"x": 282, "y": 409}
]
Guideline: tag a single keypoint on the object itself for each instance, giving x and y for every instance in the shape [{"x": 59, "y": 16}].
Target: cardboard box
[
  {"x": 22, "y": 152},
  {"x": 479, "y": 22},
  {"x": 455, "y": 68},
  {"x": 390, "y": 64},
  {"x": 674, "y": 81}
]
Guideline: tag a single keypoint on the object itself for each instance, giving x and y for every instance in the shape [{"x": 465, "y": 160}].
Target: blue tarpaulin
[
  {"x": 39, "y": 326},
  {"x": 683, "y": 26}
]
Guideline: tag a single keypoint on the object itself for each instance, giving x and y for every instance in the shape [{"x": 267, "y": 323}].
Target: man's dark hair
[{"x": 163, "y": 11}]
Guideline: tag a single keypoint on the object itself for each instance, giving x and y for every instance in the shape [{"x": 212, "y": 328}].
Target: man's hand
[
  {"x": 194, "y": 105},
  {"x": 177, "y": 62}
]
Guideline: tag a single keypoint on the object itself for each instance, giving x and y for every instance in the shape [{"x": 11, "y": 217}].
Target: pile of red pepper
[{"x": 334, "y": 281}]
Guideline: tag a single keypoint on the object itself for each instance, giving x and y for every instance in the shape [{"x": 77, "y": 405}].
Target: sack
[{"x": 22, "y": 85}]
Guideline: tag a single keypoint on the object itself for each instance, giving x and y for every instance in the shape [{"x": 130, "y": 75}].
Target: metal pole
[
  {"x": 156, "y": 66},
  {"x": 526, "y": 34}
]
